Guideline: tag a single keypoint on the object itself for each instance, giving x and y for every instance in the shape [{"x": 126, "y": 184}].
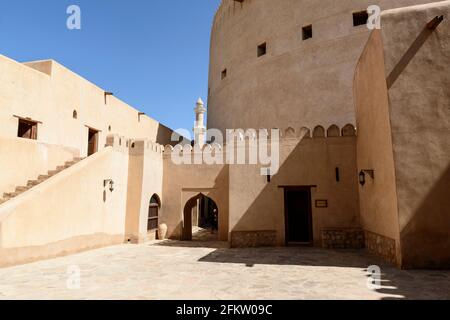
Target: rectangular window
[
  {"x": 262, "y": 49},
  {"x": 224, "y": 74},
  {"x": 307, "y": 32},
  {"x": 360, "y": 18},
  {"x": 27, "y": 129}
]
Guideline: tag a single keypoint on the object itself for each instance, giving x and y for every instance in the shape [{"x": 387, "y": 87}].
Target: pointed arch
[{"x": 207, "y": 213}]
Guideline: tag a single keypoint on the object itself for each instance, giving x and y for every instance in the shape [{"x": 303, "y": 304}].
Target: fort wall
[
  {"x": 290, "y": 85},
  {"x": 251, "y": 206},
  {"x": 401, "y": 96},
  {"x": 65, "y": 106}
]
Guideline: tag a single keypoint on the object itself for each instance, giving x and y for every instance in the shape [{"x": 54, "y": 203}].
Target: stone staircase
[{"x": 39, "y": 180}]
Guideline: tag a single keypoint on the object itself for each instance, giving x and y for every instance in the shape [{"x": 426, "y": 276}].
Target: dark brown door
[
  {"x": 298, "y": 216},
  {"x": 153, "y": 217},
  {"x": 187, "y": 228},
  {"x": 92, "y": 142}
]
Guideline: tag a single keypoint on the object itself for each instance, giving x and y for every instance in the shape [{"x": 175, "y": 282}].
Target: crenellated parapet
[
  {"x": 141, "y": 146},
  {"x": 117, "y": 142},
  {"x": 134, "y": 146},
  {"x": 243, "y": 138}
]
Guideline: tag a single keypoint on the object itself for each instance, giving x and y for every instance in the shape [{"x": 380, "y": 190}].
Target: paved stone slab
[{"x": 209, "y": 270}]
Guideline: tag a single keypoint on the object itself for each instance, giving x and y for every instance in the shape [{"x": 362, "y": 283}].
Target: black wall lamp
[
  {"x": 362, "y": 176},
  {"x": 109, "y": 182}
]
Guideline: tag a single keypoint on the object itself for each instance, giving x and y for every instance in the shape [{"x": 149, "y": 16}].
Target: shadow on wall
[
  {"x": 164, "y": 136},
  {"x": 219, "y": 194},
  {"x": 427, "y": 31},
  {"x": 426, "y": 238},
  {"x": 309, "y": 162}
]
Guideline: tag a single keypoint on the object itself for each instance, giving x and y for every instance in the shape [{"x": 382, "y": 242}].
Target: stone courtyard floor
[{"x": 209, "y": 270}]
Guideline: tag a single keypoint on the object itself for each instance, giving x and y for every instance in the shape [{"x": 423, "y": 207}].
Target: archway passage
[{"x": 201, "y": 219}]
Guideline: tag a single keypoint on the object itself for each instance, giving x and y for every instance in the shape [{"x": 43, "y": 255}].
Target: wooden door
[
  {"x": 153, "y": 214},
  {"x": 298, "y": 216},
  {"x": 92, "y": 142}
]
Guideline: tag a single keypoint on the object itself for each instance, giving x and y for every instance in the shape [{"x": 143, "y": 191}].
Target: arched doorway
[
  {"x": 201, "y": 219},
  {"x": 153, "y": 213}
]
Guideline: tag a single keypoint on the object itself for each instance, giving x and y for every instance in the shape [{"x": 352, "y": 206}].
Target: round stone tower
[{"x": 289, "y": 63}]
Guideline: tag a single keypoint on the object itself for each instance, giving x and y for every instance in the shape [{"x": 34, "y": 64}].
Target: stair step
[
  {"x": 22, "y": 189},
  {"x": 32, "y": 183},
  {"x": 41, "y": 178},
  {"x": 10, "y": 195},
  {"x": 51, "y": 173}
]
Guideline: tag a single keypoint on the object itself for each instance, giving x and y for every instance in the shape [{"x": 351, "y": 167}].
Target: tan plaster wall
[
  {"x": 183, "y": 182},
  {"x": 248, "y": 203},
  {"x": 48, "y": 92},
  {"x": 17, "y": 154},
  {"x": 378, "y": 197},
  {"x": 69, "y": 212},
  {"x": 420, "y": 118},
  {"x": 256, "y": 205},
  {"x": 290, "y": 86},
  {"x": 145, "y": 178}
]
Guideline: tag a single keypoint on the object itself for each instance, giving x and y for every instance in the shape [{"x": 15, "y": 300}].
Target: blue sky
[{"x": 153, "y": 54}]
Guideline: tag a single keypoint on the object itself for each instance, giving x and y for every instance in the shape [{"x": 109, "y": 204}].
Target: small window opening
[
  {"x": 360, "y": 18},
  {"x": 307, "y": 32},
  {"x": 75, "y": 114},
  {"x": 27, "y": 129},
  {"x": 338, "y": 175},
  {"x": 262, "y": 49},
  {"x": 224, "y": 74}
]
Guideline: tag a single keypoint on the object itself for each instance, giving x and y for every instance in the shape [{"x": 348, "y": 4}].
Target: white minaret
[{"x": 199, "y": 128}]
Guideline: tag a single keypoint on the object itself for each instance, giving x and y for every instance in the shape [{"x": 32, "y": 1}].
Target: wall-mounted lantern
[
  {"x": 362, "y": 176},
  {"x": 109, "y": 182}
]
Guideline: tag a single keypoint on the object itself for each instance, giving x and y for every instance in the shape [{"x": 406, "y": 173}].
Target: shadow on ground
[{"x": 398, "y": 284}]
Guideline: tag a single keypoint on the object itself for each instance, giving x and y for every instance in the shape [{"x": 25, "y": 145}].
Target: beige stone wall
[
  {"x": 248, "y": 203},
  {"x": 69, "y": 212},
  {"x": 258, "y": 205},
  {"x": 298, "y": 83},
  {"x": 404, "y": 131},
  {"x": 378, "y": 197},
  {"x": 420, "y": 120},
  {"x": 184, "y": 182},
  {"x": 62, "y": 216},
  {"x": 145, "y": 176},
  {"x": 46, "y": 91},
  {"x": 17, "y": 154}
]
